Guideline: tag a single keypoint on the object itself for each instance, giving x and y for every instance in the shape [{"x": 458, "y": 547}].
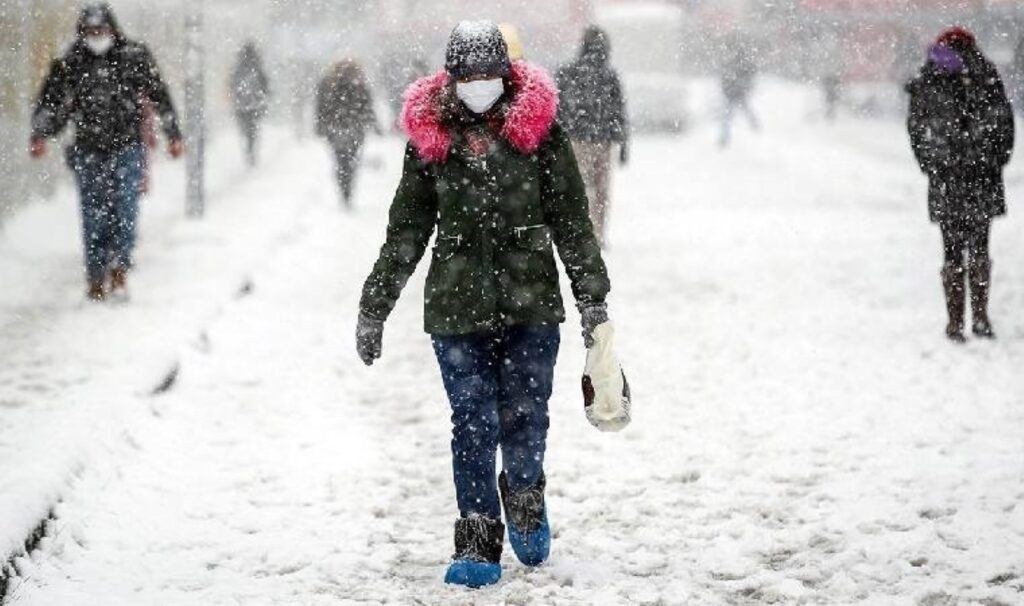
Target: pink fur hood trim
[{"x": 528, "y": 121}]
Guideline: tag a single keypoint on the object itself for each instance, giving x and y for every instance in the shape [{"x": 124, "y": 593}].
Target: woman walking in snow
[
  {"x": 961, "y": 130},
  {"x": 490, "y": 168}
]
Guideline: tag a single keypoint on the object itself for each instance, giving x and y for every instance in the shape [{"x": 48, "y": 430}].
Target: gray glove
[
  {"x": 592, "y": 315},
  {"x": 369, "y": 336}
]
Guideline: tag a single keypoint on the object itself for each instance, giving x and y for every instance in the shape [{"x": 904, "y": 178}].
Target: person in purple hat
[{"x": 961, "y": 130}]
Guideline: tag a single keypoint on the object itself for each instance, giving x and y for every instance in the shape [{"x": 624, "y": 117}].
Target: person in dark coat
[
  {"x": 832, "y": 91},
  {"x": 737, "y": 85},
  {"x": 102, "y": 85},
  {"x": 961, "y": 130},
  {"x": 593, "y": 113},
  {"x": 488, "y": 166},
  {"x": 250, "y": 92},
  {"x": 344, "y": 112}
]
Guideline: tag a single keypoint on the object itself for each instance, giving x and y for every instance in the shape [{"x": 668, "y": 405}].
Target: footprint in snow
[{"x": 936, "y": 513}]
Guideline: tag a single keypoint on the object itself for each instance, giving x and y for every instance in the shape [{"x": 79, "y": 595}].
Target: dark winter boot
[
  {"x": 953, "y": 283},
  {"x": 118, "y": 279},
  {"x": 981, "y": 273},
  {"x": 477, "y": 559},
  {"x": 95, "y": 291},
  {"x": 527, "y": 517}
]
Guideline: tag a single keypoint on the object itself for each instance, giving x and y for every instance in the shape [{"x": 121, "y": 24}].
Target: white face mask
[
  {"x": 99, "y": 45},
  {"x": 480, "y": 95}
]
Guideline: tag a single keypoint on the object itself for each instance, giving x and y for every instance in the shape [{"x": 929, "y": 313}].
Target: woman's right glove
[
  {"x": 592, "y": 315},
  {"x": 369, "y": 336}
]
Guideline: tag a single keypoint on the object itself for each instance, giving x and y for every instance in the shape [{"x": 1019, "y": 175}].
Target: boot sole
[
  {"x": 531, "y": 548},
  {"x": 472, "y": 574}
]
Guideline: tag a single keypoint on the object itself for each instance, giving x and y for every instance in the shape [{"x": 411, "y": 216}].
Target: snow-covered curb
[{"x": 105, "y": 362}]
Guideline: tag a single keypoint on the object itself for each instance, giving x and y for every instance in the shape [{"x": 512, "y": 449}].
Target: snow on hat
[
  {"x": 957, "y": 38},
  {"x": 476, "y": 48}
]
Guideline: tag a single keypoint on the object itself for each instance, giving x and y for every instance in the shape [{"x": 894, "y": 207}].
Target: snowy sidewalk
[
  {"x": 803, "y": 431},
  {"x": 75, "y": 374}
]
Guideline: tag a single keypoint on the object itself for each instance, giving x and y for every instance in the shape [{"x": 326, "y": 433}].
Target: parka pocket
[
  {"x": 447, "y": 247},
  {"x": 536, "y": 238}
]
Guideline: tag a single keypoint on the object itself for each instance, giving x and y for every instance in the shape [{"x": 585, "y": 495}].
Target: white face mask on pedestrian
[
  {"x": 480, "y": 95},
  {"x": 99, "y": 45}
]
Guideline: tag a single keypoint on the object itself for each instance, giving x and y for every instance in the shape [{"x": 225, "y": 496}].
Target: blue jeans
[
  {"x": 498, "y": 384},
  {"x": 108, "y": 184}
]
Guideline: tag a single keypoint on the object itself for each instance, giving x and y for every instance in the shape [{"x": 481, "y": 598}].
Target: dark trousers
[
  {"x": 733, "y": 106},
  {"x": 498, "y": 385},
  {"x": 346, "y": 162},
  {"x": 249, "y": 124},
  {"x": 109, "y": 186}
]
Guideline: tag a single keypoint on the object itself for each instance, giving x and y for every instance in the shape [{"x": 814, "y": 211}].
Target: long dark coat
[
  {"x": 961, "y": 130},
  {"x": 250, "y": 87}
]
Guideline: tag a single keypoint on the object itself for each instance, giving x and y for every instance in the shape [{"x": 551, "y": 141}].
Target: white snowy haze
[{"x": 803, "y": 431}]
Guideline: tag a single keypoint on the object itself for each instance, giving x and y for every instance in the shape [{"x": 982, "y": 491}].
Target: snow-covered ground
[{"x": 803, "y": 431}]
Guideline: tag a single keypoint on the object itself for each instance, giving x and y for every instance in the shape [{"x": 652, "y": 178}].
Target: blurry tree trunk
[{"x": 195, "y": 134}]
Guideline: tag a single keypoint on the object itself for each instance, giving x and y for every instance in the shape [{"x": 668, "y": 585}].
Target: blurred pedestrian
[
  {"x": 593, "y": 112},
  {"x": 962, "y": 133},
  {"x": 99, "y": 85},
  {"x": 738, "y": 76},
  {"x": 512, "y": 40},
  {"x": 832, "y": 90},
  {"x": 344, "y": 112},
  {"x": 488, "y": 166},
  {"x": 250, "y": 92}
]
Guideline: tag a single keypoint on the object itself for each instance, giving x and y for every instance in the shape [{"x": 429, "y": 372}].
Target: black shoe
[
  {"x": 95, "y": 291},
  {"x": 983, "y": 328},
  {"x": 955, "y": 334}
]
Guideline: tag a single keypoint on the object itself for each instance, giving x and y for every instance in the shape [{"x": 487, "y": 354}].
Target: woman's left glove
[
  {"x": 592, "y": 315},
  {"x": 369, "y": 336}
]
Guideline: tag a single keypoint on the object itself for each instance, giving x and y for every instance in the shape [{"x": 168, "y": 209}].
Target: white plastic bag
[{"x": 606, "y": 396}]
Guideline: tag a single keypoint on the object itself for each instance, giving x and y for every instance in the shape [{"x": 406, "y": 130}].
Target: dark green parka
[{"x": 503, "y": 193}]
